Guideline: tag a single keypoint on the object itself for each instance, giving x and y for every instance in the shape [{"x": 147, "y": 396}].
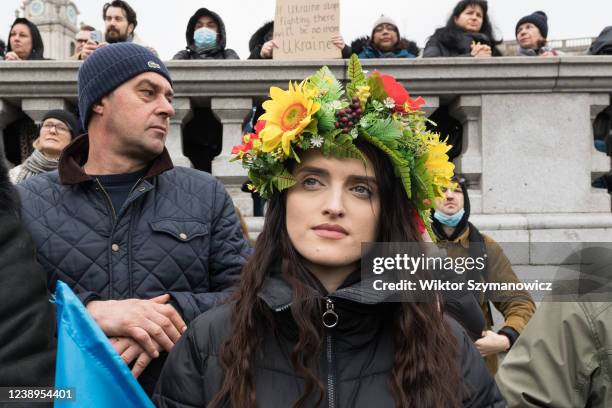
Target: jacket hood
[
  {"x": 403, "y": 44},
  {"x": 221, "y": 38},
  {"x": 8, "y": 198},
  {"x": 463, "y": 223},
  {"x": 260, "y": 35},
  {"x": 38, "y": 47}
]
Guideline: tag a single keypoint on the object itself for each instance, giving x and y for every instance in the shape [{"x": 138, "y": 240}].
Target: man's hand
[
  {"x": 11, "y": 56},
  {"x": 338, "y": 41},
  {"x": 148, "y": 322},
  {"x": 129, "y": 350},
  {"x": 268, "y": 49},
  {"x": 89, "y": 47},
  {"x": 492, "y": 343}
]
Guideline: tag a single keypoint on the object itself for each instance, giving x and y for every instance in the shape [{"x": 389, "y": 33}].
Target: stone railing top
[{"x": 433, "y": 76}]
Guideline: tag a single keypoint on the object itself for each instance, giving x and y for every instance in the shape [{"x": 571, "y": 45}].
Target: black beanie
[
  {"x": 538, "y": 19},
  {"x": 68, "y": 118}
]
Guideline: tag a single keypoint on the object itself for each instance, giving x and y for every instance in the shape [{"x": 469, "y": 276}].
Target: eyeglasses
[{"x": 58, "y": 127}]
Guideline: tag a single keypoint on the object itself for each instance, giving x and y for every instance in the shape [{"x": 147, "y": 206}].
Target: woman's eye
[
  {"x": 310, "y": 182},
  {"x": 362, "y": 190}
]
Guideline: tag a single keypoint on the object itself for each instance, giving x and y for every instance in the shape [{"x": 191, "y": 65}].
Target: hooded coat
[
  {"x": 364, "y": 48},
  {"x": 38, "y": 47},
  {"x": 516, "y": 312},
  {"x": 455, "y": 42},
  {"x": 27, "y": 318},
  {"x": 218, "y": 52},
  {"x": 259, "y": 38},
  {"x": 355, "y": 362}
]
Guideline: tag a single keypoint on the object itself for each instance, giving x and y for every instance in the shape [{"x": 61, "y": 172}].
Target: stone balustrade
[{"x": 527, "y": 145}]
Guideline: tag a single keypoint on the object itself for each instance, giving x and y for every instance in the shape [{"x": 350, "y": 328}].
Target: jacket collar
[{"x": 75, "y": 156}]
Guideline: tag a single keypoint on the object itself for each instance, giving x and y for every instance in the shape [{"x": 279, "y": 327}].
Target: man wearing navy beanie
[{"x": 145, "y": 245}]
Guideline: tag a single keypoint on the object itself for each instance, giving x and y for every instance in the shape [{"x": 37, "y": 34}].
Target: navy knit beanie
[
  {"x": 538, "y": 19},
  {"x": 110, "y": 66}
]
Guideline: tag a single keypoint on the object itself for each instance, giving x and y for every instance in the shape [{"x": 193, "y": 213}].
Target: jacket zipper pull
[{"x": 330, "y": 318}]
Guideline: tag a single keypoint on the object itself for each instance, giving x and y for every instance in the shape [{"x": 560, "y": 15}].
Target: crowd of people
[
  {"x": 159, "y": 257},
  {"x": 468, "y": 32}
]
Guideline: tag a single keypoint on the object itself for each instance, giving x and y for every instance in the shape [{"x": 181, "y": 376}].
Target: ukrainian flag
[{"x": 87, "y": 362}]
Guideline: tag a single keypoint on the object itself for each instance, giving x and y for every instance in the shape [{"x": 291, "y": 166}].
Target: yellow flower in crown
[
  {"x": 437, "y": 163},
  {"x": 287, "y": 114}
]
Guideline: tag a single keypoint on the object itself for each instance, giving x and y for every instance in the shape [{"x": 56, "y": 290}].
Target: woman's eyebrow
[{"x": 312, "y": 169}]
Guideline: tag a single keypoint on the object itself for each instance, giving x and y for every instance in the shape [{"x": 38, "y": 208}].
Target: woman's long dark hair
[
  {"x": 425, "y": 373},
  {"x": 451, "y": 32}
]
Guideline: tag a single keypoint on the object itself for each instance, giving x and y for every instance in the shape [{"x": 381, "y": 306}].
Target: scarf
[{"x": 35, "y": 164}]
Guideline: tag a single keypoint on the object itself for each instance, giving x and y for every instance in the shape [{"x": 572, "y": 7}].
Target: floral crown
[{"x": 320, "y": 114}]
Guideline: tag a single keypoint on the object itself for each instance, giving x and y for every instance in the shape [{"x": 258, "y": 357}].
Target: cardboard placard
[{"x": 303, "y": 29}]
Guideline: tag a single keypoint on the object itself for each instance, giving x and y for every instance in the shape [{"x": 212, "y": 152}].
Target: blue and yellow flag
[{"x": 88, "y": 363}]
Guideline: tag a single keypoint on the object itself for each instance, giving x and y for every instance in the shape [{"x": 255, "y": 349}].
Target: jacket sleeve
[
  {"x": 554, "y": 361},
  {"x": 180, "y": 382},
  {"x": 519, "y": 306},
  {"x": 181, "y": 55},
  {"x": 347, "y": 51},
  {"x": 228, "y": 253},
  {"x": 432, "y": 49},
  {"x": 480, "y": 390},
  {"x": 231, "y": 54}
]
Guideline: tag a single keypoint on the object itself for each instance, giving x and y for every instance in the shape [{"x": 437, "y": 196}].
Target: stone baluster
[
  {"x": 467, "y": 110},
  {"x": 174, "y": 141},
  {"x": 231, "y": 112}
]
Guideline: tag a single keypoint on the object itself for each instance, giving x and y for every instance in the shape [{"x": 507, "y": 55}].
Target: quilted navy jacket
[{"x": 177, "y": 233}]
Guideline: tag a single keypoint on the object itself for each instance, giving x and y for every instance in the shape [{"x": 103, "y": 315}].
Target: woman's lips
[{"x": 330, "y": 231}]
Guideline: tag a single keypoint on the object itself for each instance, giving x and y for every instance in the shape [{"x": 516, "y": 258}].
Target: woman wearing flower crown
[{"x": 339, "y": 167}]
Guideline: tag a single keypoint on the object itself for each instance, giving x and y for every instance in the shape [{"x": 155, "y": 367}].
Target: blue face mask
[
  {"x": 449, "y": 220},
  {"x": 205, "y": 38}
]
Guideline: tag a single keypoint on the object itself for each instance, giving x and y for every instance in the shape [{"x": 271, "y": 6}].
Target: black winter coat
[
  {"x": 219, "y": 52},
  {"x": 259, "y": 38},
  {"x": 27, "y": 318},
  {"x": 447, "y": 42},
  {"x": 355, "y": 364},
  {"x": 177, "y": 233}
]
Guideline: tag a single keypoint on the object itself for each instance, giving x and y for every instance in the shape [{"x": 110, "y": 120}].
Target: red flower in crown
[
  {"x": 399, "y": 94},
  {"x": 248, "y": 138}
]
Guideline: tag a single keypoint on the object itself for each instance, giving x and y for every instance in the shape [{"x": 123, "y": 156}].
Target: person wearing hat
[
  {"x": 531, "y": 32},
  {"x": 145, "y": 245},
  {"x": 57, "y": 130},
  {"x": 451, "y": 226},
  {"x": 384, "y": 42}
]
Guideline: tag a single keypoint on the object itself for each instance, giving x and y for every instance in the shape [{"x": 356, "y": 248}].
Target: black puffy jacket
[
  {"x": 177, "y": 233},
  {"x": 355, "y": 364},
  {"x": 27, "y": 318},
  {"x": 455, "y": 42}
]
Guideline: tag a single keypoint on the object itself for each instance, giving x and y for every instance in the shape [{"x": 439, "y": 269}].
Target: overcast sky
[{"x": 163, "y": 24}]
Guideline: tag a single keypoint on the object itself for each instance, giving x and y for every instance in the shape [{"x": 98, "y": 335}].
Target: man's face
[
  {"x": 453, "y": 203},
  {"x": 208, "y": 22},
  {"x": 137, "y": 115},
  {"x": 81, "y": 39},
  {"x": 117, "y": 27}
]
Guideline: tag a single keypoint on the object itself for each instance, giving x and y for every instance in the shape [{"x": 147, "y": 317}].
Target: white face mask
[{"x": 205, "y": 38}]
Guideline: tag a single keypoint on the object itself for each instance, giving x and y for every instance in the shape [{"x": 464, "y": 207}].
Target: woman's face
[
  {"x": 529, "y": 36},
  {"x": 54, "y": 137},
  {"x": 385, "y": 37},
  {"x": 20, "y": 39},
  {"x": 471, "y": 18},
  {"x": 332, "y": 209}
]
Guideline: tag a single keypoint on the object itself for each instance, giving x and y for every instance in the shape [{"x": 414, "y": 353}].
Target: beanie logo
[{"x": 153, "y": 64}]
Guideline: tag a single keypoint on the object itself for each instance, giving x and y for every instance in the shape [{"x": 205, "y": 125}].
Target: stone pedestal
[
  {"x": 231, "y": 112},
  {"x": 174, "y": 140},
  {"x": 537, "y": 154}
]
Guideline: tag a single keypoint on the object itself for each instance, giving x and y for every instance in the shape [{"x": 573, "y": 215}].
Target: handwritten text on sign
[{"x": 303, "y": 29}]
